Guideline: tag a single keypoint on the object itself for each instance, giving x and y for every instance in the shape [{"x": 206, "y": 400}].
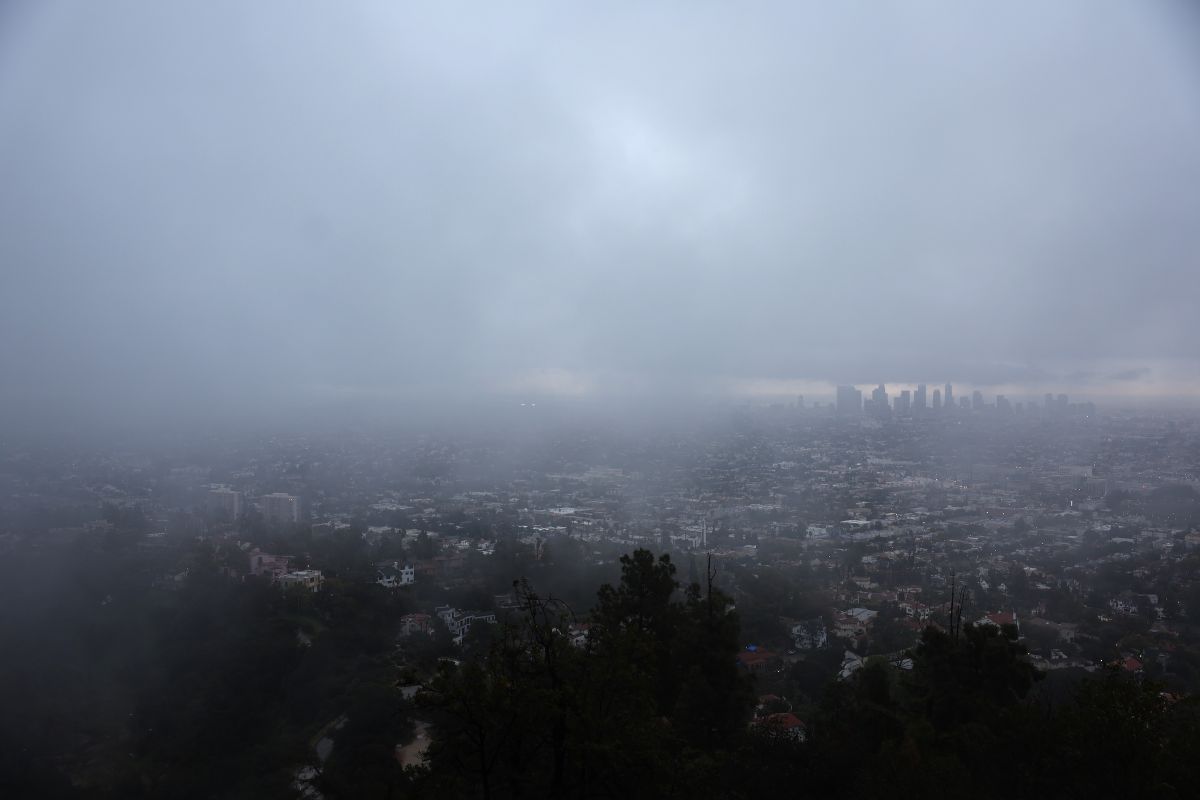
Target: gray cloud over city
[{"x": 226, "y": 205}]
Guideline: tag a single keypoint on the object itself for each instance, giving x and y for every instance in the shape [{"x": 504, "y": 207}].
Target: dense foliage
[
  {"x": 121, "y": 678},
  {"x": 650, "y": 698},
  {"x": 653, "y": 705}
]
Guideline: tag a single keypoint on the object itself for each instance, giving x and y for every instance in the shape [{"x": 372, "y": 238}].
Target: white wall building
[{"x": 391, "y": 574}]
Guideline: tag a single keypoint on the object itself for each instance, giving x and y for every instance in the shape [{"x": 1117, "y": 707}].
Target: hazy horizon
[{"x": 224, "y": 211}]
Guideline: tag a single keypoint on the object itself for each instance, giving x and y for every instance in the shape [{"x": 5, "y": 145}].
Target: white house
[
  {"x": 390, "y": 574},
  {"x": 459, "y": 622},
  {"x": 810, "y": 635}
]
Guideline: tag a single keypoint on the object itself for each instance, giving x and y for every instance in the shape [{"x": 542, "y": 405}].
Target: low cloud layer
[{"x": 233, "y": 205}]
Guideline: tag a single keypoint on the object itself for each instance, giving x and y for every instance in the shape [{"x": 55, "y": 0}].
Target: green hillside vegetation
[{"x": 116, "y": 687}]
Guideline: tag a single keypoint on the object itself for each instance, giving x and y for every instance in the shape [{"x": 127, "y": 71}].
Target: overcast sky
[{"x": 239, "y": 204}]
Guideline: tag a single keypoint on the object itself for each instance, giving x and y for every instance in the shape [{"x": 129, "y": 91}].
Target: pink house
[
  {"x": 415, "y": 623},
  {"x": 267, "y": 564}
]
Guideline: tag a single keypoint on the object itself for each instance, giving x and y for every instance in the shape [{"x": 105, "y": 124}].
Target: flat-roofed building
[
  {"x": 307, "y": 579},
  {"x": 280, "y": 507},
  {"x": 225, "y": 502}
]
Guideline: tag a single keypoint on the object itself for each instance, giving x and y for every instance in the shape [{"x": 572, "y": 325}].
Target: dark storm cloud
[{"x": 225, "y": 205}]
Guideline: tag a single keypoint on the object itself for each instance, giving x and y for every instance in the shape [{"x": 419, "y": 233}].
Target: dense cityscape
[{"x": 838, "y": 537}]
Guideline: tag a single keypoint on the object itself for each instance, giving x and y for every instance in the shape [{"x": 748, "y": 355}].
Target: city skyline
[{"x": 850, "y": 400}]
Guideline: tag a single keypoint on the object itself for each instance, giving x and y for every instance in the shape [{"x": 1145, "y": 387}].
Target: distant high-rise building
[
  {"x": 919, "y": 399},
  {"x": 849, "y": 401},
  {"x": 948, "y": 397},
  {"x": 225, "y": 502},
  {"x": 977, "y": 399},
  {"x": 937, "y": 399},
  {"x": 280, "y": 507},
  {"x": 1049, "y": 401},
  {"x": 1002, "y": 405},
  {"x": 1063, "y": 405},
  {"x": 964, "y": 403},
  {"x": 904, "y": 402},
  {"x": 880, "y": 407}
]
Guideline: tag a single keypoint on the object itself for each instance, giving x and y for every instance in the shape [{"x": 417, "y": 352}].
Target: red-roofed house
[
  {"x": 755, "y": 660},
  {"x": 785, "y": 723},
  {"x": 1000, "y": 619}
]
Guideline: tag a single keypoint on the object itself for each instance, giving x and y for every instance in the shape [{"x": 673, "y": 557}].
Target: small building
[
  {"x": 266, "y": 564},
  {"x": 784, "y": 723},
  {"x": 578, "y": 633},
  {"x": 416, "y": 623},
  {"x": 462, "y": 621},
  {"x": 391, "y": 574},
  {"x": 442, "y": 565},
  {"x": 224, "y": 502},
  {"x": 1124, "y": 604},
  {"x": 309, "y": 580},
  {"x": 1000, "y": 619},
  {"x": 280, "y": 507},
  {"x": 851, "y": 663},
  {"x": 754, "y": 659},
  {"x": 459, "y": 622},
  {"x": 853, "y": 623},
  {"x": 810, "y": 635}
]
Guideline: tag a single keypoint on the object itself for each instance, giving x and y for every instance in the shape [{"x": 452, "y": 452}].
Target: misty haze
[{"x": 558, "y": 400}]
